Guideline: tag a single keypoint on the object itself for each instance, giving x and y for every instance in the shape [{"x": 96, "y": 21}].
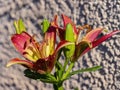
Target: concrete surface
[{"x": 97, "y": 13}]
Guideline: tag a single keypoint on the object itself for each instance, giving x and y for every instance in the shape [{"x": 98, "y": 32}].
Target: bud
[
  {"x": 69, "y": 36},
  {"x": 19, "y": 26},
  {"x": 45, "y": 25}
]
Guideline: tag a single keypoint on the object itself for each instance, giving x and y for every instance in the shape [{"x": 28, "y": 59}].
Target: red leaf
[
  {"x": 19, "y": 61},
  {"x": 67, "y": 20},
  {"x": 92, "y": 35},
  {"x": 20, "y": 40},
  {"x": 61, "y": 34},
  {"x": 44, "y": 65},
  {"x": 50, "y": 37},
  {"x": 79, "y": 48},
  {"x": 100, "y": 40},
  {"x": 54, "y": 22},
  {"x": 61, "y": 45}
]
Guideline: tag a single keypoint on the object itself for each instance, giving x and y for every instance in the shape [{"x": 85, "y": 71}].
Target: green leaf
[
  {"x": 45, "y": 25},
  {"x": 85, "y": 70},
  {"x": 47, "y": 78},
  {"x": 19, "y": 26}
]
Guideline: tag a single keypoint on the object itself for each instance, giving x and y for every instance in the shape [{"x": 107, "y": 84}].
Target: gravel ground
[{"x": 97, "y": 13}]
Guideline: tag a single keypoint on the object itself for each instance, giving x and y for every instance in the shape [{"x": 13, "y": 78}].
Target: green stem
[
  {"x": 65, "y": 64},
  {"x": 58, "y": 86},
  {"x": 68, "y": 71}
]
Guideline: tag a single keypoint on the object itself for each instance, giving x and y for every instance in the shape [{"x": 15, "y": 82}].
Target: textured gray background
[{"x": 97, "y": 13}]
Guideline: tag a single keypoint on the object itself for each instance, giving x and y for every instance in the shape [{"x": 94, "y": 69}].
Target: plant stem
[
  {"x": 58, "y": 86},
  {"x": 68, "y": 71},
  {"x": 65, "y": 64}
]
